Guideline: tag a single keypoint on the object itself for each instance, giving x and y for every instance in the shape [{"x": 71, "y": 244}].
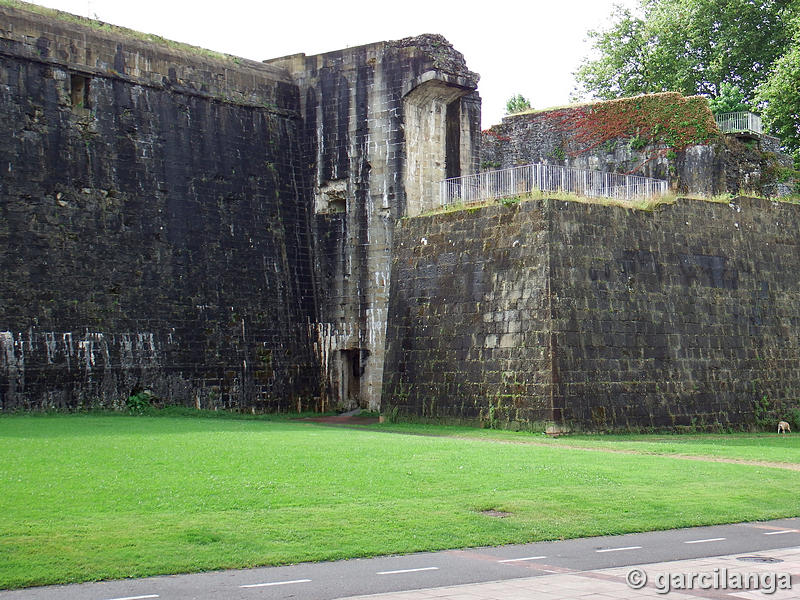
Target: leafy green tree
[
  {"x": 517, "y": 104},
  {"x": 780, "y": 99},
  {"x": 688, "y": 46},
  {"x": 730, "y": 99}
]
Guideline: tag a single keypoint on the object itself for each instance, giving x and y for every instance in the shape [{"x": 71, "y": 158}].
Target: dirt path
[
  {"x": 358, "y": 422},
  {"x": 718, "y": 459}
]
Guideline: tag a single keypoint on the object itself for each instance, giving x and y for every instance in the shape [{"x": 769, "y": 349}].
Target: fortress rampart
[
  {"x": 213, "y": 229},
  {"x": 233, "y": 234},
  {"x": 596, "y": 316}
]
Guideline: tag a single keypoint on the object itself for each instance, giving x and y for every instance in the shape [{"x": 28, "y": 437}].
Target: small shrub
[
  {"x": 637, "y": 143},
  {"x": 139, "y": 403},
  {"x": 558, "y": 154},
  {"x": 393, "y": 415},
  {"x": 517, "y": 104}
]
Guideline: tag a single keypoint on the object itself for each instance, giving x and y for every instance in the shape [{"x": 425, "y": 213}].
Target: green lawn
[{"x": 90, "y": 497}]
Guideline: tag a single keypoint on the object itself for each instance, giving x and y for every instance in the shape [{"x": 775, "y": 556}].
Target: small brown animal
[{"x": 783, "y": 427}]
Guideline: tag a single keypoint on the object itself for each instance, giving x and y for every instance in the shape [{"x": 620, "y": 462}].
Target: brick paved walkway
[{"x": 610, "y": 584}]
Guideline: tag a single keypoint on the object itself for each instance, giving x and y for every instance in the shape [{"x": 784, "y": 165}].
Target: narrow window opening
[{"x": 79, "y": 91}]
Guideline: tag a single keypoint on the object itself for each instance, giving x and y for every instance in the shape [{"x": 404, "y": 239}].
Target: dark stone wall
[
  {"x": 469, "y": 323},
  {"x": 156, "y": 228},
  {"x": 686, "y": 315}
]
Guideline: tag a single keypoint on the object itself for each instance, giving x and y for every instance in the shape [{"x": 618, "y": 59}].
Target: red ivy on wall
[
  {"x": 668, "y": 121},
  {"x": 496, "y": 135}
]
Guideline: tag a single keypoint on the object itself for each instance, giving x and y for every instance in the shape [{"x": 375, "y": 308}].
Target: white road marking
[
  {"x": 704, "y": 541},
  {"x": 780, "y": 532},
  {"x": 549, "y": 571},
  {"x": 510, "y": 560},
  {"x": 619, "y": 549},
  {"x": 271, "y": 583},
  {"x": 137, "y": 597},
  {"x": 407, "y": 571}
]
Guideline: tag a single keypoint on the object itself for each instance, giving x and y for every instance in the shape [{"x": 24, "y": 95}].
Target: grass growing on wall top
[
  {"x": 636, "y": 203},
  {"x": 91, "y": 497},
  {"x": 131, "y": 33},
  {"x": 646, "y": 204}
]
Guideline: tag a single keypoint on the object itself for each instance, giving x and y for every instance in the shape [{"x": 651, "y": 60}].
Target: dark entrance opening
[
  {"x": 353, "y": 363},
  {"x": 452, "y": 157}
]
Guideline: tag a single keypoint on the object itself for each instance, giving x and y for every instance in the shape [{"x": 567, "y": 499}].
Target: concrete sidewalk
[{"x": 721, "y": 577}]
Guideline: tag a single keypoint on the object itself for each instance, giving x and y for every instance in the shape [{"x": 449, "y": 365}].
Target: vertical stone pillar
[{"x": 382, "y": 120}]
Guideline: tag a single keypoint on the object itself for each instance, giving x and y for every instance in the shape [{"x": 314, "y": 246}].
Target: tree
[
  {"x": 779, "y": 99},
  {"x": 517, "y": 104},
  {"x": 688, "y": 46},
  {"x": 729, "y": 100}
]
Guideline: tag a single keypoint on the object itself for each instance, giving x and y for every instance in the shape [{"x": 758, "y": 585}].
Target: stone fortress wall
[
  {"x": 596, "y": 316},
  {"x": 382, "y": 123},
  {"x": 154, "y": 222},
  {"x": 213, "y": 229},
  {"x": 229, "y": 233}
]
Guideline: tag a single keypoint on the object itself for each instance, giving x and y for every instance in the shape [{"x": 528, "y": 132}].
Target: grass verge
[{"x": 94, "y": 497}]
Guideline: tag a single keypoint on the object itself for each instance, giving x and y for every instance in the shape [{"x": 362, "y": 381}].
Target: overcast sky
[{"x": 531, "y": 48}]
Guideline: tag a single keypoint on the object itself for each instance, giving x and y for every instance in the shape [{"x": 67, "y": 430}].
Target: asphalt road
[{"x": 326, "y": 581}]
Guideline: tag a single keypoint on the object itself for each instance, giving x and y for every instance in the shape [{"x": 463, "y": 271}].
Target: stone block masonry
[
  {"x": 469, "y": 316},
  {"x": 597, "y": 317},
  {"x": 155, "y": 225},
  {"x": 229, "y": 233},
  {"x": 214, "y": 229},
  {"x": 383, "y": 124}
]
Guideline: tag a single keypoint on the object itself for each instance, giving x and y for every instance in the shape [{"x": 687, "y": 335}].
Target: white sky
[{"x": 531, "y": 47}]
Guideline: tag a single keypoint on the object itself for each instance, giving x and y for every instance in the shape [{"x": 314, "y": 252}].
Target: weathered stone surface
[
  {"x": 154, "y": 234},
  {"x": 599, "y": 317},
  {"x": 469, "y": 323},
  {"x": 383, "y": 123},
  {"x": 729, "y": 164},
  {"x": 225, "y": 233},
  {"x": 214, "y": 229}
]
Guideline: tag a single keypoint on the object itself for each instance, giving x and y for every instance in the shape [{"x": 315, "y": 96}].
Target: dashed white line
[
  {"x": 619, "y": 549},
  {"x": 510, "y": 560},
  {"x": 271, "y": 583},
  {"x": 704, "y": 541},
  {"x": 780, "y": 532},
  {"x": 137, "y": 597},
  {"x": 407, "y": 571}
]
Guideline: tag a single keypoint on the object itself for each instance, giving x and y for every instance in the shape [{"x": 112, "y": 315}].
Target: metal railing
[
  {"x": 517, "y": 181},
  {"x": 739, "y": 122}
]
